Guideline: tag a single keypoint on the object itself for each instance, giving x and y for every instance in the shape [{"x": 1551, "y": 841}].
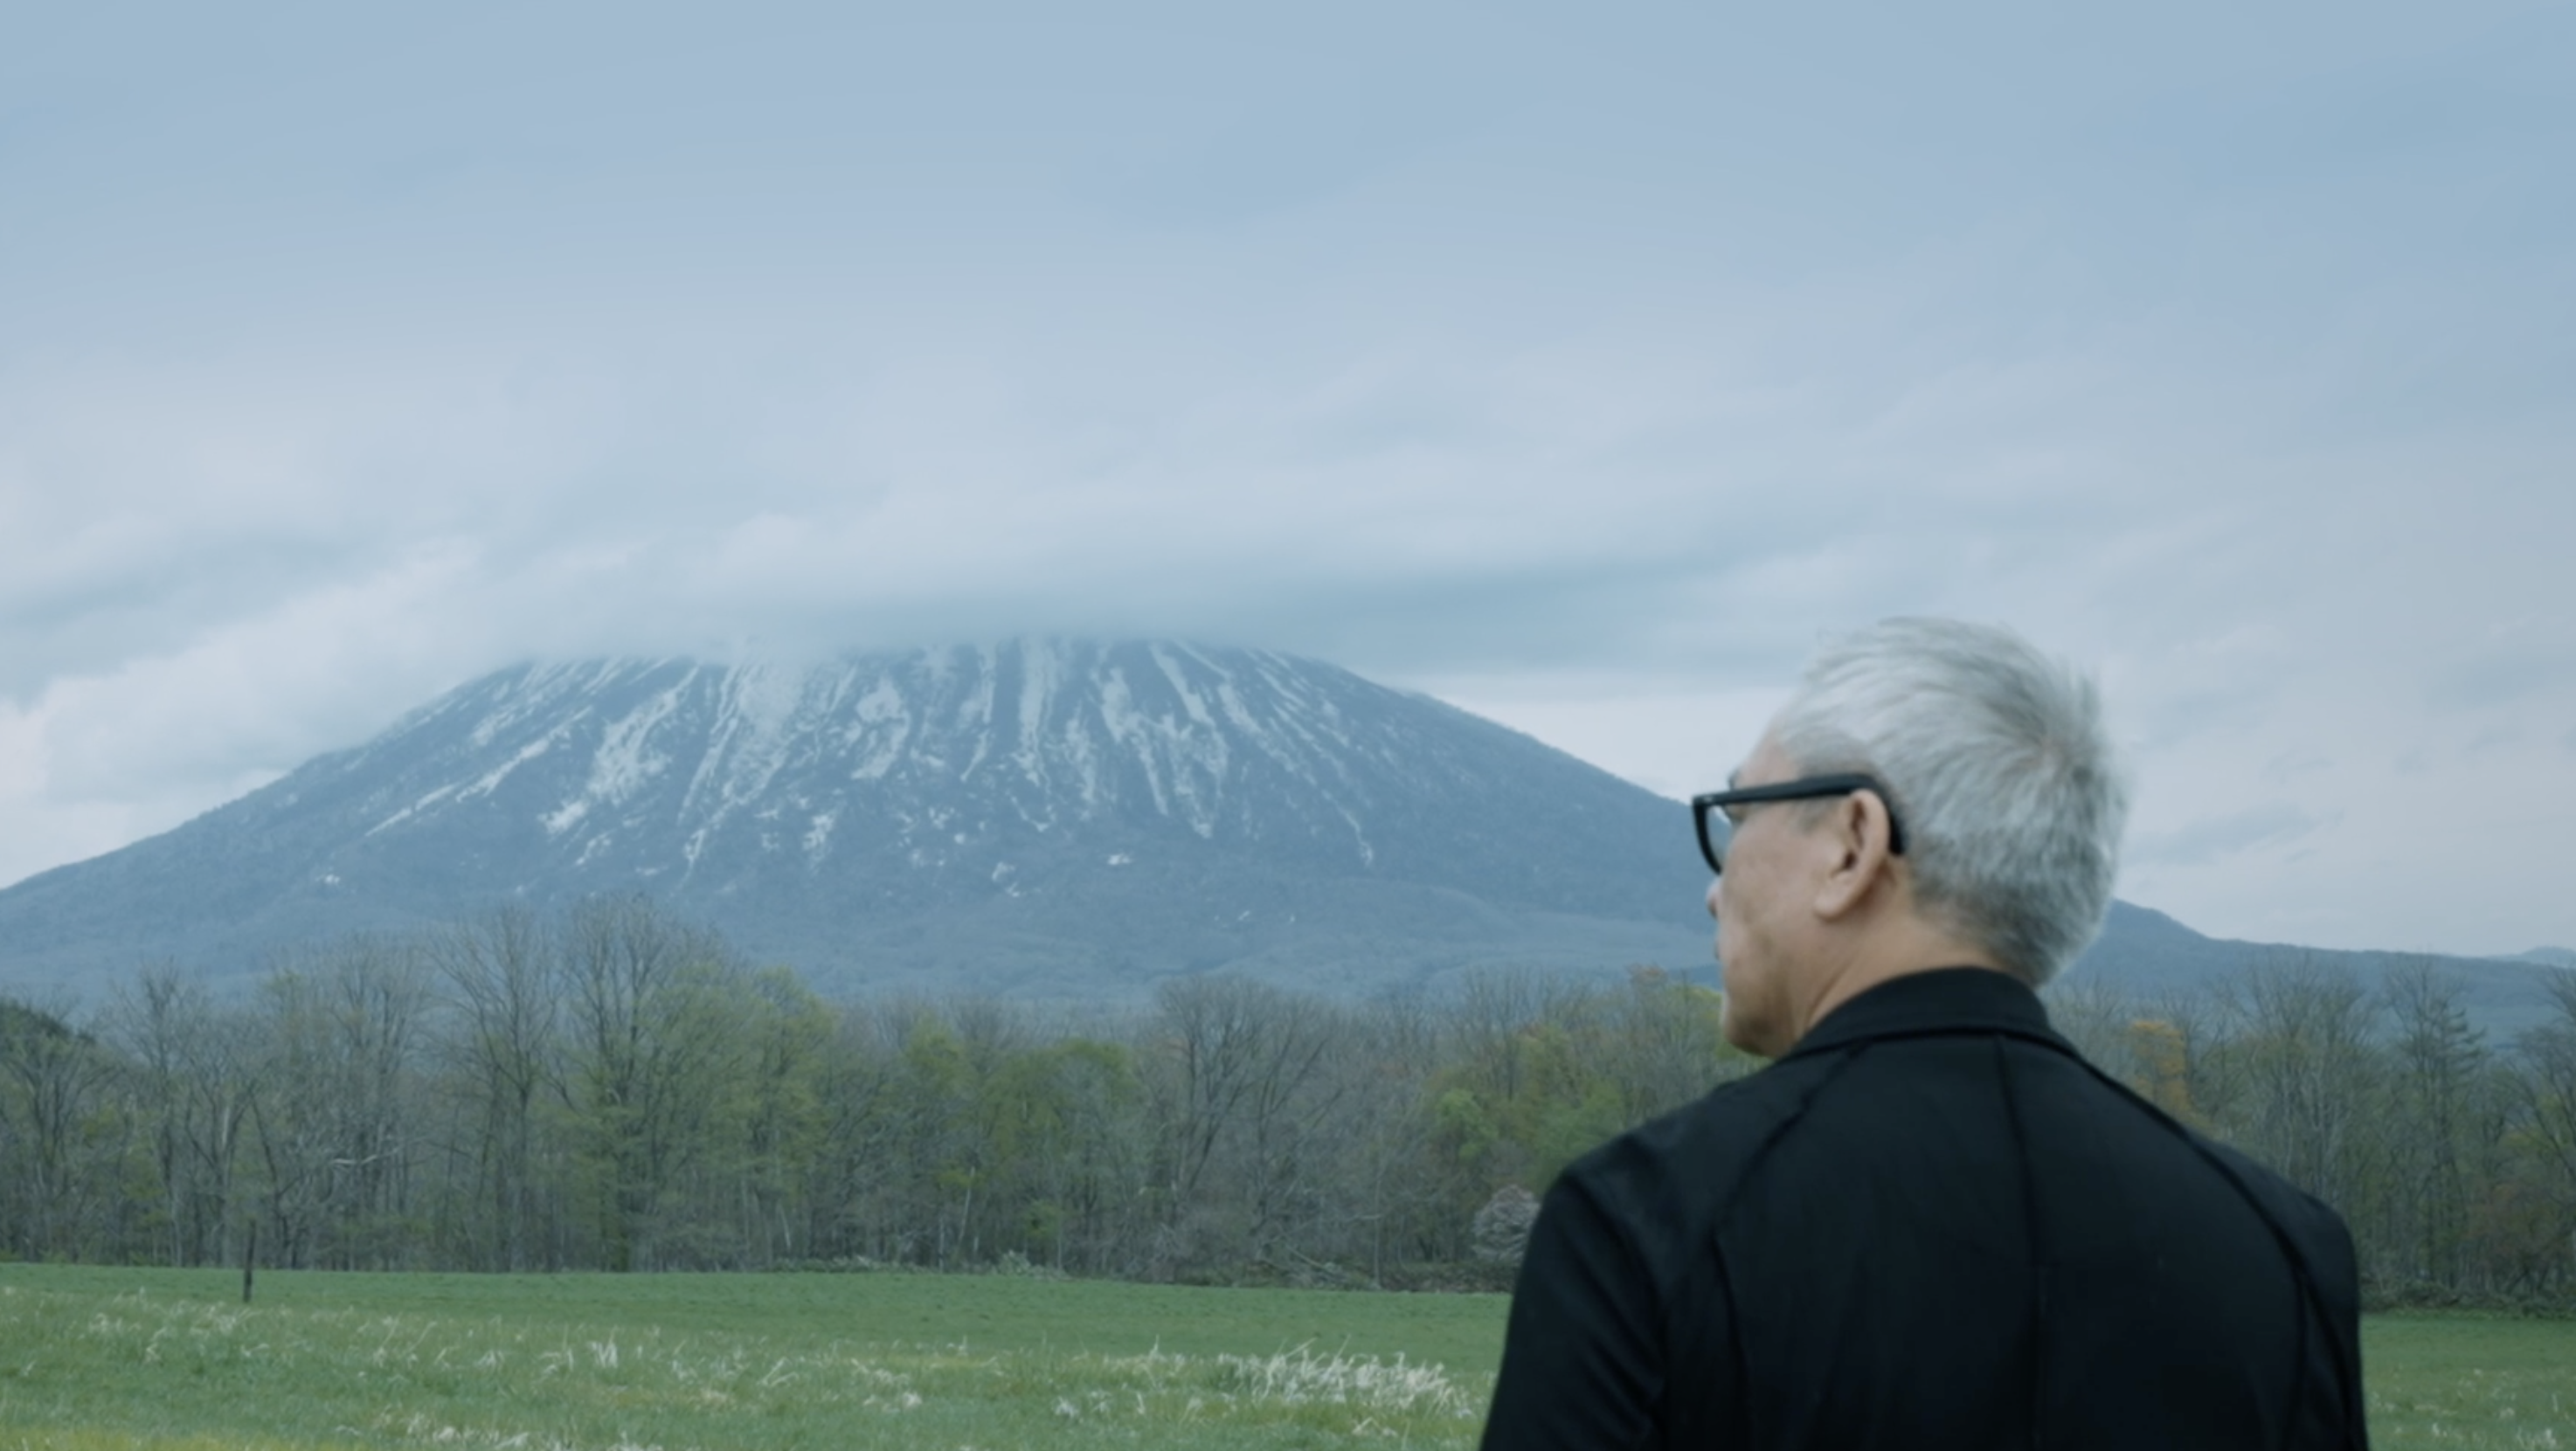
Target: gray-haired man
[{"x": 1929, "y": 1223}]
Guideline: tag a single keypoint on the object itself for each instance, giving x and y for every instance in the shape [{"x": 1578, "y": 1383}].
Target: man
[{"x": 1928, "y": 1224}]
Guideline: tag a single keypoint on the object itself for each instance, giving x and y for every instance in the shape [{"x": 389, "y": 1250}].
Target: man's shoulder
[
  {"x": 2299, "y": 1214},
  {"x": 1680, "y": 1166}
]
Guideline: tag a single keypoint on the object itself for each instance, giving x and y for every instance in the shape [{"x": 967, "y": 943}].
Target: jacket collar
[{"x": 1943, "y": 1000}]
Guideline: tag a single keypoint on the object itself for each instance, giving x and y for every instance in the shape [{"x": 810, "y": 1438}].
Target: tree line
[{"x": 612, "y": 1088}]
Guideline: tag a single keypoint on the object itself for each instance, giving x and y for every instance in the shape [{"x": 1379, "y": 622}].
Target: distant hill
[
  {"x": 1045, "y": 819},
  {"x": 2146, "y": 953}
]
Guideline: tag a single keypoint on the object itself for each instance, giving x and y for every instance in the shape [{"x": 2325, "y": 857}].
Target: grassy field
[
  {"x": 116, "y": 1360},
  {"x": 102, "y": 1360},
  {"x": 2470, "y": 1381}
]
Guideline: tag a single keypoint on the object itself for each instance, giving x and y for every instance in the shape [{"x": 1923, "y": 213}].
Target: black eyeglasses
[{"x": 1712, "y": 844}]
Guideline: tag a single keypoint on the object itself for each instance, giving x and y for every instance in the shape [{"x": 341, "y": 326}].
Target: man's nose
[{"x": 1712, "y": 894}]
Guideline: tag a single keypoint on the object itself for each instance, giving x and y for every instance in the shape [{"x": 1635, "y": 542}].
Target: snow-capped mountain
[
  {"x": 1044, "y": 818},
  {"x": 1039, "y": 816}
]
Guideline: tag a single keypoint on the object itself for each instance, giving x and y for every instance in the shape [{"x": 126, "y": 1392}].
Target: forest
[{"x": 611, "y": 1088}]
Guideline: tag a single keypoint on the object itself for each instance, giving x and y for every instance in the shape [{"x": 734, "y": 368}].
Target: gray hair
[{"x": 2003, "y": 776}]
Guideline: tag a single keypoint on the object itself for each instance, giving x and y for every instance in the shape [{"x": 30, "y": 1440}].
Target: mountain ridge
[
  {"x": 1045, "y": 818},
  {"x": 1191, "y": 806}
]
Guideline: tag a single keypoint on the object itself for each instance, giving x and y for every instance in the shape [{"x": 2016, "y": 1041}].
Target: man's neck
[{"x": 1892, "y": 948}]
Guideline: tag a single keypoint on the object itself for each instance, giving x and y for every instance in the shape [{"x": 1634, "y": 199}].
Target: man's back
[{"x": 1930, "y": 1226}]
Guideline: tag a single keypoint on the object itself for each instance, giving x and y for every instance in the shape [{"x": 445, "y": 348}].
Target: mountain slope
[
  {"x": 1044, "y": 818},
  {"x": 2148, "y": 955},
  {"x": 1033, "y": 816}
]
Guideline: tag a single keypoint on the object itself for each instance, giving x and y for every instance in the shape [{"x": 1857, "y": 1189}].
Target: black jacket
[{"x": 1930, "y": 1225}]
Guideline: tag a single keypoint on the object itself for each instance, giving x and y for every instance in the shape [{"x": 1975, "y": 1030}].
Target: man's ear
[{"x": 1854, "y": 836}]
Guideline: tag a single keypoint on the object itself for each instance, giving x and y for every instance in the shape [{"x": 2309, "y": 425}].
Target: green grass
[
  {"x": 160, "y": 1360},
  {"x": 106, "y": 1360},
  {"x": 2456, "y": 1380}
]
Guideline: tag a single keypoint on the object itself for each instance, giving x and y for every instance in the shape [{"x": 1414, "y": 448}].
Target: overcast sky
[{"x": 1580, "y": 364}]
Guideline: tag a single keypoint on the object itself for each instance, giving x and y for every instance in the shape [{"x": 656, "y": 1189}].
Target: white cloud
[
  {"x": 1582, "y": 373},
  {"x": 2217, "y": 838}
]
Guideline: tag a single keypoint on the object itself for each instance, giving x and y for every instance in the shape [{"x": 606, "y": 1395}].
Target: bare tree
[
  {"x": 339, "y": 1041},
  {"x": 2547, "y": 1090},
  {"x": 2439, "y": 1062},
  {"x": 2303, "y": 1054},
  {"x": 2100, "y": 1020},
  {"x": 855, "y": 1178},
  {"x": 51, "y": 1077},
  {"x": 501, "y": 977},
  {"x": 1665, "y": 1045},
  {"x": 193, "y": 1076},
  {"x": 657, "y": 1039},
  {"x": 1243, "y": 1100}
]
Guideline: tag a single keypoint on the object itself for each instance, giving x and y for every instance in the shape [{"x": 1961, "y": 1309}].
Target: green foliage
[{"x": 1557, "y": 1071}]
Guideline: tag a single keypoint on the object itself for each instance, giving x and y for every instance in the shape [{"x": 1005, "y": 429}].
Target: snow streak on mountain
[{"x": 940, "y": 759}]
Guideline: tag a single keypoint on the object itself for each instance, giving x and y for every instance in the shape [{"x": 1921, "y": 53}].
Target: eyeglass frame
[{"x": 1805, "y": 788}]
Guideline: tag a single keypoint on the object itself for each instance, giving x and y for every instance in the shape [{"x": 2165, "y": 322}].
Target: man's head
[{"x": 1987, "y": 764}]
